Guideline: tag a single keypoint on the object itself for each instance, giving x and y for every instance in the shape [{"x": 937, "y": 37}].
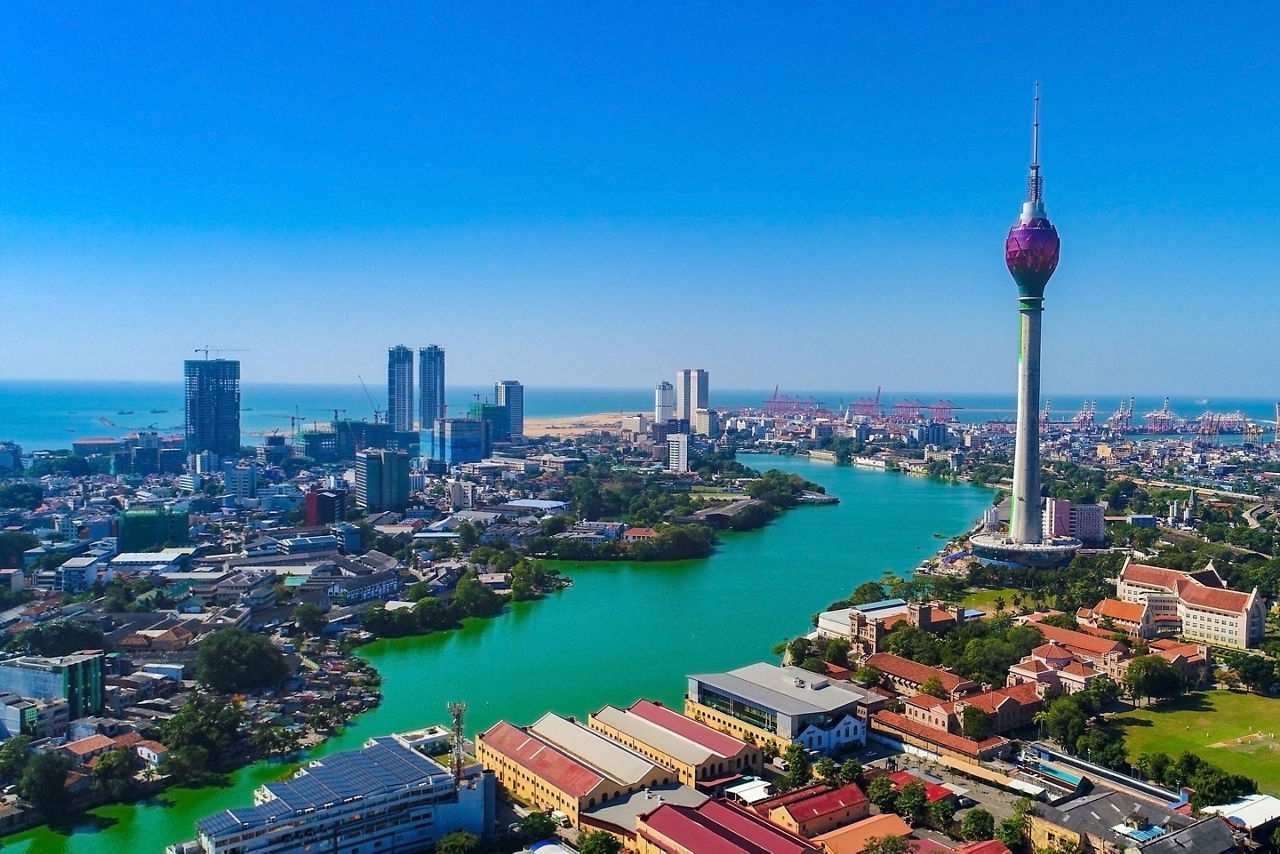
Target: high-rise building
[
  {"x": 678, "y": 452},
  {"x": 382, "y": 479},
  {"x": 455, "y": 441},
  {"x": 664, "y": 403},
  {"x": 510, "y": 394},
  {"x": 692, "y": 392},
  {"x": 706, "y": 422},
  {"x": 497, "y": 417},
  {"x": 1031, "y": 254},
  {"x": 74, "y": 678},
  {"x": 400, "y": 388},
  {"x": 145, "y": 529},
  {"x": 213, "y": 406},
  {"x": 431, "y": 383}
]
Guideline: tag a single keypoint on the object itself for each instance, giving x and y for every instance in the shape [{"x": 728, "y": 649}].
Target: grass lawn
[
  {"x": 1215, "y": 725},
  {"x": 985, "y": 600}
]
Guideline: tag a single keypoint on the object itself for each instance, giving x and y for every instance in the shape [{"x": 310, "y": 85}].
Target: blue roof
[
  {"x": 383, "y": 766},
  {"x": 881, "y": 605}
]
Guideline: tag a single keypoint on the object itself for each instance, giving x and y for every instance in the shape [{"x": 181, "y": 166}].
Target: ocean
[{"x": 51, "y": 414}]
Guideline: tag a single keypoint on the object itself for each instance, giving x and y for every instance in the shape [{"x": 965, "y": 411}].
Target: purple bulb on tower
[{"x": 1031, "y": 252}]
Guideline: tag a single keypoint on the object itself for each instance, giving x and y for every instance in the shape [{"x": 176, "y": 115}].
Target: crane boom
[{"x": 377, "y": 413}]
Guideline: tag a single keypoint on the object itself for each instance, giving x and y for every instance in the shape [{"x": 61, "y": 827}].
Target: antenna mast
[{"x": 457, "y": 710}]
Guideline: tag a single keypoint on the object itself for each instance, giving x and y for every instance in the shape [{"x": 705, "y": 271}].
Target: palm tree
[{"x": 999, "y": 604}]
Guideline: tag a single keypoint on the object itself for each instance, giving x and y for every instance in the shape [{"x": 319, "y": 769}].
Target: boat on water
[
  {"x": 157, "y": 411},
  {"x": 124, "y": 412}
]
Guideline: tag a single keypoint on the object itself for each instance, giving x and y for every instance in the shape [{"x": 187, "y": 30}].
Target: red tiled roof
[
  {"x": 93, "y": 743},
  {"x": 718, "y": 828},
  {"x": 826, "y": 802},
  {"x": 1129, "y": 612},
  {"x": 717, "y": 742},
  {"x": 128, "y": 739},
  {"x": 1079, "y": 668},
  {"x": 991, "y": 846},
  {"x": 853, "y": 838},
  {"x": 1152, "y": 576},
  {"x": 958, "y": 743},
  {"x": 903, "y": 668},
  {"x": 932, "y": 790},
  {"x": 1194, "y": 593},
  {"x": 541, "y": 759},
  {"x": 1051, "y": 651},
  {"x": 1073, "y": 641},
  {"x": 775, "y": 801}
]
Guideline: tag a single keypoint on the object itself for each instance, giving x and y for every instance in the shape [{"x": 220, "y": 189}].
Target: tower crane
[
  {"x": 377, "y": 413},
  {"x": 206, "y": 349}
]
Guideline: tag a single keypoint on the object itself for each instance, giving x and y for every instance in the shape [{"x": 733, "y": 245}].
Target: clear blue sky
[{"x": 807, "y": 194}]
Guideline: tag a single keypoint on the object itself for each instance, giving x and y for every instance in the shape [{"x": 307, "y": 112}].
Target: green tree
[
  {"x": 798, "y": 769},
  {"x": 1012, "y": 831},
  {"x": 850, "y": 771},
  {"x": 43, "y": 783},
  {"x": 232, "y": 660},
  {"x": 112, "y": 774},
  {"x": 310, "y": 619},
  {"x": 1257, "y": 673},
  {"x": 537, "y": 826},
  {"x": 473, "y": 599},
  {"x": 889, "y": 845},
  {"x": 976, "y": 723},
  {"x": 827, "y": 771},
  {"x": 978, "y": 825},
  {"x": 881, "y": 793},
  {"x": 867, "y": 591},
  {"x": 1066, "y": 721},
  {"x": 912, "y": 800},
  {"x": 59, "y": 637},
  {"x": 202, "y": 730},
  {"x": 599, "y": 842},
  {"x": 1151, "y": 676},
  {"x": 942, "y": 813},
  {"x": 868, "y": 675},
  {"x": 458, "y": 842},
  {"x": 933, "y": 687},
  {"x": 14, "y": 754}
]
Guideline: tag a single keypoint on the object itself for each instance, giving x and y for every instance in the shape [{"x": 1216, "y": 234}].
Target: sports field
[
  {"x": 985, "y": 600},
  {"x": 1234, "y": 731}
]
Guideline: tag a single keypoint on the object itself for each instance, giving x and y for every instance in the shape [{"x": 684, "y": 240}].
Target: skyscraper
[
  {"x": 382, "y": 479},
  {"x": 664, "y": 403},
  {"x": 510, "y": 394},
  {"x": 400, "y": 388},
  {"x": 692, "y": 392},
  {"x": 431, "y": 380},
  {"x": 213, "y": 406},
  {"x": 1031, "y": 253}
]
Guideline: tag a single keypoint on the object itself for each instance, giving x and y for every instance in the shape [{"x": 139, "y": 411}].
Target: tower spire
[{"x": 1034, "y": 207}]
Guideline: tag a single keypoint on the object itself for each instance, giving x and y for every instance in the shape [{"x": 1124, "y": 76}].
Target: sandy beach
[{"x": 573, "y": 425}]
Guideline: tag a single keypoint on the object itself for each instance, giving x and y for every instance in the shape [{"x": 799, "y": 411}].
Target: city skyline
[{"x": 828, "y": 178}]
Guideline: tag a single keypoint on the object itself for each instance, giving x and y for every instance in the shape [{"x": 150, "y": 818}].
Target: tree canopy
[{"x": 233, "y": 660}]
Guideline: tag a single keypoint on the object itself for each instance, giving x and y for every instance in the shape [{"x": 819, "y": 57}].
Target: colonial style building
[{"x": 1196, "y": 605}]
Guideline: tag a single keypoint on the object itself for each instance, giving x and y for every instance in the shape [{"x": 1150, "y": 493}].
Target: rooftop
[
  {"x": 719, "y": 828},
  {"x": 383, "y": 766},
  {"x": 601, "y": 753},
  {"x": 788, "y": 690}
]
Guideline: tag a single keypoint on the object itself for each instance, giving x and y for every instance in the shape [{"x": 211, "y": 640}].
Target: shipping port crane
[{"x": 206, "y": 349}]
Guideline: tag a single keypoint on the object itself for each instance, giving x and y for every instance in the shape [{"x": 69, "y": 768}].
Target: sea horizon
[{"x": 50, "y": 414}]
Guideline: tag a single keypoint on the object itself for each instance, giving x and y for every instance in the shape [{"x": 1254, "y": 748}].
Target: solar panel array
[{"x": 382, "y": 766}]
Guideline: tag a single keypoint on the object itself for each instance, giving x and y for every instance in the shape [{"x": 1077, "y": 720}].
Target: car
[{"x": 870, "y": 754}]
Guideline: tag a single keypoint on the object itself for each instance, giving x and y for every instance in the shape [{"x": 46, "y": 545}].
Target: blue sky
[{"x": 812, "y": 195}]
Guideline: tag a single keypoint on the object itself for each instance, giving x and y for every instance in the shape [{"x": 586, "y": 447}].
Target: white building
[
  {"x": 664, "y": 403},
  {"x": 678, "y": 452},
  {"x": 510, "y": 394},
  {"x": 692, "y": 392},
  {"x": 1196, "y": 605},
  {"x": 386, "y": 797},
  {"x": 706, "y": 423}
]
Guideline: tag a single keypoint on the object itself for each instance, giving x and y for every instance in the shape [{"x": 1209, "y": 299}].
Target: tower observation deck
[{"x": 1031, "y": 253}]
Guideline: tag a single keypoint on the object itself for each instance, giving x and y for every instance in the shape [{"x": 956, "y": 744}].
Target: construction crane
[
  {"x": 206, "y": 349},
  {"x": 377, "y": 413},
  {"x": 335, "y": 410}
]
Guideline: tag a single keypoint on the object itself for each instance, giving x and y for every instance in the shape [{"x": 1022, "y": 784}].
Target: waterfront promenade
[{"x": 622, "y": 631}]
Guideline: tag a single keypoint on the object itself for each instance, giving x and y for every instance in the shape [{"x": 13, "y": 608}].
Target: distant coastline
[{"x": 42, "y": 415}]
